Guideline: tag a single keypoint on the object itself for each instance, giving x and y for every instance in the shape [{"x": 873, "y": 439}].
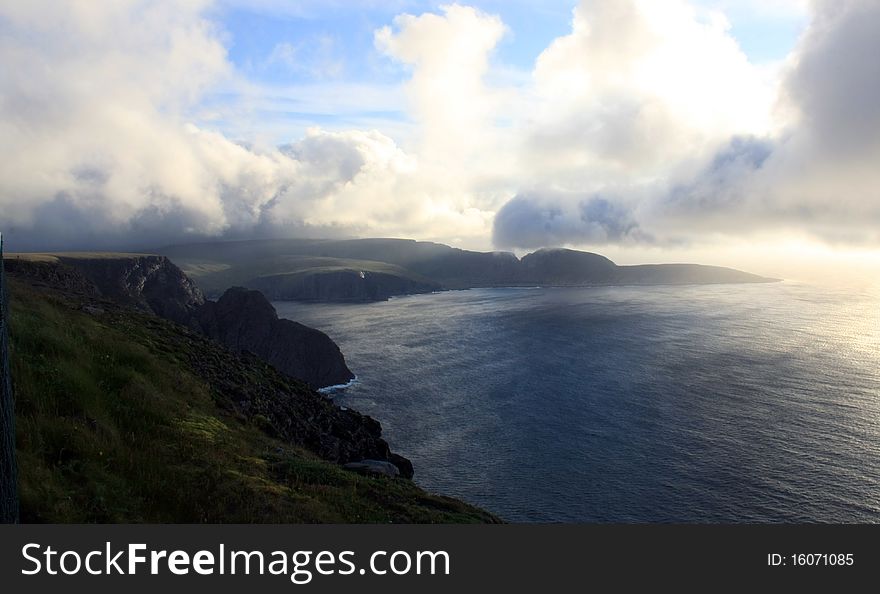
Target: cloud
[
  {"x": 718, "y": 189},
  {"x": 706, "y": 154},
  {"x": 639, "y": 84},
  {"x": 834, "y": 85},
  {"x": 317, "y": 57},
  {"x": 816, "y": 177},
  {"x": 449, "y": 56},
  {"x": 636, "y": 92},
  {"x": 645, "y": 124},
  {"x": 98, "y": 147},
  {"x": 98, "y": 150},
  {"x": 552, "y": 219}
]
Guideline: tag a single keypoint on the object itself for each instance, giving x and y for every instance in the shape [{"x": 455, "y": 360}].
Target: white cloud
[
  {"x": 761, "y": 9},
  {"x": 646, "y": 123},
  {"x": 449, "y": 55},
  {"x": 818, "y": 176},
  {"x": 641, "y": 84},
  {"x": 92, "y": 102},
  {"x": 316, "y": 56},
  {"x": 710, "y": 150},
  {"x": 638, "y": 92},
  {"x": 96, "y": 144}
]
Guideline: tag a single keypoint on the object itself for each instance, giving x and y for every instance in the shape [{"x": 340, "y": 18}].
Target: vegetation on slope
[
  {"x": 125, "y": 417},
  {"x": 214, "y": 277},
  {"x": 285, "y": 269}
]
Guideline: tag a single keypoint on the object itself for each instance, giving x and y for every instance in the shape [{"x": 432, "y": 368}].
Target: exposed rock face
[
  {"x": 149, "y": 283},
  {"x": 566, "y": 267},
  {"x": 242, "y": 320},
  {"x": 323, "y": 269},
  {"x": 245, "y": 321},
  {"x": 290, "y": 411},
  {"x": 338, "y": 286},
  {"x": 247, "y": 324}
]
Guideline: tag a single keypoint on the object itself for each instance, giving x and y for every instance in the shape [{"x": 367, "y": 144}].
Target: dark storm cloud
[
  {"x": 836, "y": 84},
  {"x": 549, "y": 219},
  {"x": 719, "y": 186}
]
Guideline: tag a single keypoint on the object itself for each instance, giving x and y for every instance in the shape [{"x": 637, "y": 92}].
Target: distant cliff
[
  {"x": 343, "y": 285},
  {"x": 562, "y": 267},
  {"x": 243, "y": 321},
  {"x": 376, "y": 269}
]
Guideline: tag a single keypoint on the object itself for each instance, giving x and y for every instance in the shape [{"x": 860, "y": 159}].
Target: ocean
[{"x": 708, "y": 404}]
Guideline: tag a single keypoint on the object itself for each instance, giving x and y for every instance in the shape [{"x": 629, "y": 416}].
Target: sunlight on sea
[{"x": 726, "y": 403}]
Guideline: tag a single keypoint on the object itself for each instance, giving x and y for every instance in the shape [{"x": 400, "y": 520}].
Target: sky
[{"x": 742, "y": 133}]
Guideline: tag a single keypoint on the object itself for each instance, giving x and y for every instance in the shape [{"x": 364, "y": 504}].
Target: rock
[
  {"x": 403, "y": 465},
  {"x": 252, "y": 376},
  {"x": 242, "y": 320},
  {"x": 150, "y": 283},
  {"x": 374, "y": 467},
  {"x": 245, "y": 321}
]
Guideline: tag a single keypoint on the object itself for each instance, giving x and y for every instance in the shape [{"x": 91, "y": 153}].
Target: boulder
[{"x": 373, "y": 467}]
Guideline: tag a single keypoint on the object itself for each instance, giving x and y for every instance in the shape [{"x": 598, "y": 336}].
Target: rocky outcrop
[
  {"x": 242, "y": 320},
  {"x": 566, "y": 267},
  {"x": 290, "y": 411},
  {"x": 245, "y": 321},
  {"x": 254, "y": 375},
  {"x": 374, "y": 467},
  {"x": 146, "y": 282}
]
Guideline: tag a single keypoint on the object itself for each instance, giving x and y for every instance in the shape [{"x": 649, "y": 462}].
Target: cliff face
[
  {"x": 241, "y": 320},
  {"x": 327, "y": 270},
  {"x": 245, "y": 321},
  {"x": 115, "y": 290},
  {"x": 338, "y": 286},
  {"x": 150, "y": 283},
  {"x": 566, "y": 267}
]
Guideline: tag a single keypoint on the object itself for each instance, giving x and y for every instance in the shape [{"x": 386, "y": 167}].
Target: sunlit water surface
[{"x": 736, "y": 403}]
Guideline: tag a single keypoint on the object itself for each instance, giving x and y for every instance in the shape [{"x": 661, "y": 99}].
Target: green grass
[
  {"x": 55, "y": 256},
  {"x": 113, "y": 425},
  {"x": 215, "y": 276}
]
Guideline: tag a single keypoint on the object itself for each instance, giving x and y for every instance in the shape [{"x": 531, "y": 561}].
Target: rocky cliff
[
  {"x": 560, "y": 267},
  {"x": 148, "y": 282},
  {"x": 245, "y": 321},
  {"x": 374, "y": 269},
  {"x": 338, "y": 286},
  {"x": 244, "y": 376}
]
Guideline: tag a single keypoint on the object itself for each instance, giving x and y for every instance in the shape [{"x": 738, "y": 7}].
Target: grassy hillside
[
  {"x": 216, "y": 266},
  {"x": 214, "y": 276},
  {"x": 271, "y": 265},
  {"x": 121, "y": 417}
]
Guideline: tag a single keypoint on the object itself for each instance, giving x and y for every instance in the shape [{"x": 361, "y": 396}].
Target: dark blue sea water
[{"x": 737, "y": 403}]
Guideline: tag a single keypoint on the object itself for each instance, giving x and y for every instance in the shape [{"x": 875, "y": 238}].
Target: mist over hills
[{"x": 376, "y": 269}]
